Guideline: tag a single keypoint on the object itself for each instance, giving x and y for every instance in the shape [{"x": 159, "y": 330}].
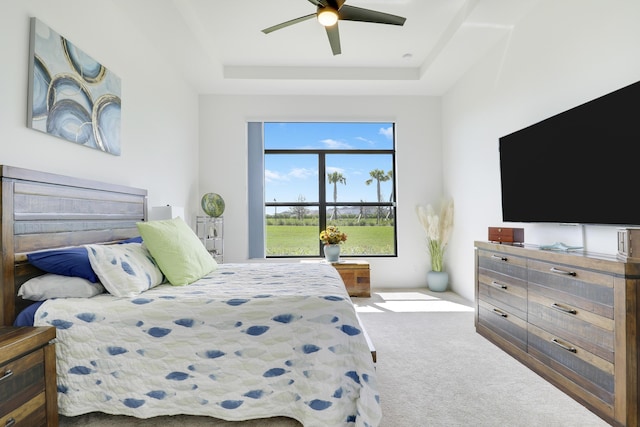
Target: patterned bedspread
[{"x": 247, "y": 341}]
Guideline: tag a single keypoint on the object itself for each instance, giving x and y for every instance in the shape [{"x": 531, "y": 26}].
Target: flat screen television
[{"x": 580, "y": 166}]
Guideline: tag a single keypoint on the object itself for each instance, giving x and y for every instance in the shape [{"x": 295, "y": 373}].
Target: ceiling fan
[{"x": 329, "y": 12}]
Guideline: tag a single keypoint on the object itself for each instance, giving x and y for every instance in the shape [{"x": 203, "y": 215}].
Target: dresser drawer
[
  {"x": 21, "y": 380},
  {"x": 503, "y": 323},
  {"x": 31, "y": 414},
  {"x": 504, "y": 291},
  {"x": 574, "y": 305},
  {"x": 588, "y": 290},
  {"x": 502, "y": 281},
  {"x": 566, "y": 321},
  {"x": 571, "y": 326},
  {"x": 27, "y": 377},
  {"x": 593, "y": 374},
  {"x": 506, "y": 264}
]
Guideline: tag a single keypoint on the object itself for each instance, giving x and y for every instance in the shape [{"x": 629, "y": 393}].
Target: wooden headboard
[{"x": 42, "y": 211}]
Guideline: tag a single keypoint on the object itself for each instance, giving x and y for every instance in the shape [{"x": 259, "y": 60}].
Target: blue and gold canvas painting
[{"x": 71, "y": 95}]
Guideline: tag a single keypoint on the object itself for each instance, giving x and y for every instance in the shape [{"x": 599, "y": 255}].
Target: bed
[{"x": 243, "y": 341}]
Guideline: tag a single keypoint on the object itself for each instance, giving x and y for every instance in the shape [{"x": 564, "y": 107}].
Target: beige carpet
[{"x": 433, "y": 370}]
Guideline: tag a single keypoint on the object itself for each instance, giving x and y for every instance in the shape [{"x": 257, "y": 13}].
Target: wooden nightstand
[
  {"x": 28, "y": 394},
  {"x": 355, "y": 275}
]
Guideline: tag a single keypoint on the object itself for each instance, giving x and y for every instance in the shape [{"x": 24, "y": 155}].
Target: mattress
[{"x": 247, "y": 341}]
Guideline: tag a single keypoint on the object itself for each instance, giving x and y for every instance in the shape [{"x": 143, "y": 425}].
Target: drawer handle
[
  {"x": 565, "y": 272},
  {"x": 501, "y": 258},
  {"x": 10, "y": 422},
  {"x": 564, "y": 346},
  {"x": 499, "y": 312},
  {"x": 564, "y": 309},
  {"x": 499, "y": 285},
  {"x": 6, "y": 375}
]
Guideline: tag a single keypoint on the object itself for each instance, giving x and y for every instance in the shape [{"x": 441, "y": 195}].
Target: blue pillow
[
  {"x": 27, "y": 316},
  {"x": 72, "y": 262},
  {"x": 132, "y": 240}
]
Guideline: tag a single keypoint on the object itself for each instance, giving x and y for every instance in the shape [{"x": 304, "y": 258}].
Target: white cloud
[
  {"x": 333, "y": 144},
  {"x": 273, "y": 176},
  {"x": 388, "y": 132},
  {"x": 363, "y": 139},
  {"x": 301, "y": 173}
]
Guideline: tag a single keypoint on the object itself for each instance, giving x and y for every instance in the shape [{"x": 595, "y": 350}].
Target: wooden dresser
[
  {"x": 570, "y": 317},
  {"x": 28, "y": 395}
]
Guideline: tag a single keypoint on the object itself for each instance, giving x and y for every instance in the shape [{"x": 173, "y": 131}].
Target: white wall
[
  {"x": 159, "y": 111},
  {"x": 564, "y": 53},
  {"x": 223, "y": 164}
]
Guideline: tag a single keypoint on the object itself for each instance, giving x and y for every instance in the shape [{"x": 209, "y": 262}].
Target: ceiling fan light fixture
[{"x": 327, "y": 16}]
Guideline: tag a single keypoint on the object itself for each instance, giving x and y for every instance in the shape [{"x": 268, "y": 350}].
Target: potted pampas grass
[{"x": 438, "y": 228}]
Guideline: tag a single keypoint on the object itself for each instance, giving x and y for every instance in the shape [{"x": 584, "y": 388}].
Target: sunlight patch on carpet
[
  {"x": 405, "y": 296},
  {"x": 368, "y": 309},
  {"x": 435, "y": 305},
  {"x": 408, "y": 301}
]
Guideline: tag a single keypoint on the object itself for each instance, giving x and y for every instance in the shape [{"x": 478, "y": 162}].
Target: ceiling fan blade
[
  {"x": 351, "y": 13},
  {"x": 288, "y": 23},
  {"x": 322, "y": 3},
  {"x": 334, "y": 38}
]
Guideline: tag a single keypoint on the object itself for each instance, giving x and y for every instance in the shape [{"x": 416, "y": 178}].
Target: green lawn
[{"x": 304, "y": 240}]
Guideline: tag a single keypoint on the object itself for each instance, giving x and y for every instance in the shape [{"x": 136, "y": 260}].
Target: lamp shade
[{"x": 165, "y": 212}]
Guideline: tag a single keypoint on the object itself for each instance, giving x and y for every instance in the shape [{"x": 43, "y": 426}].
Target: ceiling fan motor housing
[{"x": 329, "y": 12}]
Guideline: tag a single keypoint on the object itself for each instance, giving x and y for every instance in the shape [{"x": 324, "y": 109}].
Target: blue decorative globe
[{"x": 212, "y": 204}]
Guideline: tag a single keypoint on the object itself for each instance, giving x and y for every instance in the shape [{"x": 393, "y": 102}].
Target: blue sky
[{"x": 289, "y": 176}]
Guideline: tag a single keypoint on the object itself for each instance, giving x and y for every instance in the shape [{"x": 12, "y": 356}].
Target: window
[{"x": 319, "y": 174}]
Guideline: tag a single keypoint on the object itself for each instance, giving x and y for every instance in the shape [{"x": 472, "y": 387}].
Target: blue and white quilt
[{"x": 246, "y": 341}]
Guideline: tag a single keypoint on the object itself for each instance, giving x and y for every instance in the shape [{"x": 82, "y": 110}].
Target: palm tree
[
  {"x": 380, "y": 176},
  {"x": 390, "y": 174},
  {"x": 335, "y": 178},
  {"x": 363, "y": 212}
]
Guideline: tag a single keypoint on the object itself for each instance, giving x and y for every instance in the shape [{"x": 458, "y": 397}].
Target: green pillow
[{"x": 177, "y": 250}]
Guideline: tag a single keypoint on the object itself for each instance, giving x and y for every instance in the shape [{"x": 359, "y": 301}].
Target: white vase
[
  {"x": 437, "y": 280},
  {"x": 332, "y": 253}
]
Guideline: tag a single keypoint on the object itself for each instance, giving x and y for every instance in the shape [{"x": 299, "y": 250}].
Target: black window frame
[{"x": 323, "y": 204}]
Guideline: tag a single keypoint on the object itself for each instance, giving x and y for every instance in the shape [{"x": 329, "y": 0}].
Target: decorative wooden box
[{"x": 506, "y": 235}]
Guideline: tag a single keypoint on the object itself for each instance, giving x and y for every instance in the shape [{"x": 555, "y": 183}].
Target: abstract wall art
[{"x": 71, "y": 95}]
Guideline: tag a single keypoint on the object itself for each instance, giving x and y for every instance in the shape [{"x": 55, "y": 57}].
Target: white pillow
[
  {"x": 56, "y": 286},
  {"x": 124, "y": 270}
]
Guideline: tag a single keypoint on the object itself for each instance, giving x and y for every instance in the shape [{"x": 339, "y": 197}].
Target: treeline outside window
[{"x": 320, "y": 174}]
